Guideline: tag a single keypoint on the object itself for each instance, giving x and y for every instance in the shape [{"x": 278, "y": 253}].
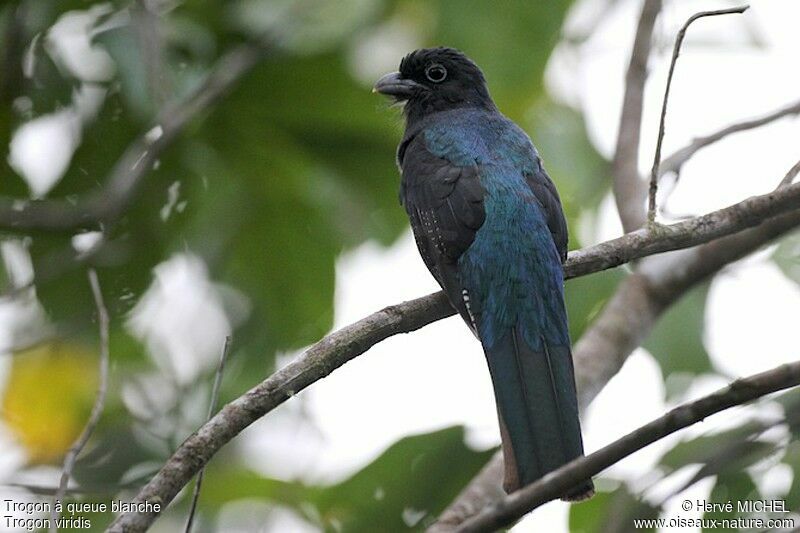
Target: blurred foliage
[
  {"x": 610, "y": 512},
  {"x": 403, "y": 489},
  {"x": 292, "y": 168},
  {"x": 677, "y": 341},
  {"x": 731, "y": 458},
  {"x": 48, "y": 397},
  {"x": 787, "y": 256},
  {"x": 295, "y": 166}
]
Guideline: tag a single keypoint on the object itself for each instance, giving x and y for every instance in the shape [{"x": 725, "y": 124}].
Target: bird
[{"x": 489, "y": 225}]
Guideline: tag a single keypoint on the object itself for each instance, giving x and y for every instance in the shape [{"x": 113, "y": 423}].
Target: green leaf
[
  {"x": 790, "y": 401},
  {"x": 225, "y": 484},
  {"x": 677, "y": 340},
  {"x": 791, "y": 457},
  {"x": 722, "y": 454},
  {"x": 735, "y": 444},
  {"x": 123, "y": 45},
  {"x": 787, "y": 256},
  {"x": 580, "y": 172},
  {"x": 304, "y": 171},
  {"x": 732, "y": 486},
  {"x": 404, "y": 489},
  {"x": 407, "y": 486},
  {"x": 610, "y": 512},
  {"x": 586, "y": 296}
]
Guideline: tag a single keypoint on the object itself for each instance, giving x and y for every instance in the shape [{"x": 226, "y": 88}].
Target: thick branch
[
  {"x": 698, "y": 230},
  {"x": 341, "y": 346},
  {"x": 554, "y": 484},
  {"x": 111, "y": 201},
  {"x": 629, "y": 189}
]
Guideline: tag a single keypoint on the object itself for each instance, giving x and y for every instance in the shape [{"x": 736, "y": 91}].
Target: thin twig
[
  {"x": 99, "y": 400},
  {"x": 339, "y": 347},
  {"x": 790, "y": 176},
  {"x": 554, "y": 484},
  {"x": 674, "y": 163},
  {"x": 651, "y": 209},
  {"x": 212, "y": 406},
  {"x": 685, "y": 234}
]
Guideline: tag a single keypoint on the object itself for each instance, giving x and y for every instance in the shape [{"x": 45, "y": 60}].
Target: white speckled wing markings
[
  {"x": 465, "y": 298},
  {"x": 444, "y": 203}
]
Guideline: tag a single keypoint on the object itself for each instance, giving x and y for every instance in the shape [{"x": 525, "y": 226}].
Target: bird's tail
[{"x": 538, "y": 411}]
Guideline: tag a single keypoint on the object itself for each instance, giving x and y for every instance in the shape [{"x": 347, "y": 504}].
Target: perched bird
[{"x": 489, "y": 225}]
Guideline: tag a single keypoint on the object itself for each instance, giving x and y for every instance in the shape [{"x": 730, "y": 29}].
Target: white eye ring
[{"x": 436, "y": 73}]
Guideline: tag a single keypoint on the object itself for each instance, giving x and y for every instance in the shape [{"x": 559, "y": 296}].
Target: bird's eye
[{"x": 436, "y": 73}]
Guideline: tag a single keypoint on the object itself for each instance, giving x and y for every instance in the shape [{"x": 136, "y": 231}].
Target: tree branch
[
  {"x": 622, "y": 325},
  {"x": 341, "y": 346},
  {"x": 150, "y": 42},
  {"x": 629, "y": 189},
  {"x": 110, "y": 202},
  {"x": 212, "y": 406},
  {"x": 674, "y": 163},
  {"x": 651, "y": 209},
  {"x": 691, "y": 232},
  {"x": 554, "y": 484}
]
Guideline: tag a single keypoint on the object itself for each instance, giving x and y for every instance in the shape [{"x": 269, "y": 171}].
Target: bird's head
[{"x": 435, "y": 79}]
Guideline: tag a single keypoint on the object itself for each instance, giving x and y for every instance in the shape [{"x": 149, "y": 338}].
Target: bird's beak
[{"x": 393, "y": 84}]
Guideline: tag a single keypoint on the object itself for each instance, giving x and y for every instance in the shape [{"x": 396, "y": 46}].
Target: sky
[{"x": 732, "y": 68}]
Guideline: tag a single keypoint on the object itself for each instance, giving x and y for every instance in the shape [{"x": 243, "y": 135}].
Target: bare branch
[
  {"x": 312, "y": 365},
  {"x": 698, "y": 230},
  {"x": 99, "y": 401},
  {"x": 622, "y": 325},
  {"x": 341, "y": 346},
  {"x": 13, "y": 44},
  {"x": 150, "y": 43},
  {"x": 651, "y": 210},
  {"x": 629, "y": 189},
  {"x": 790, "y": 176},
  {"x": 674, "y": 163},
  {"x": 111, "y": 201},
  {"x": 643, "y": 296},
  {"x": 212, "y": 406},
  {"x": 554, "y": 484}
]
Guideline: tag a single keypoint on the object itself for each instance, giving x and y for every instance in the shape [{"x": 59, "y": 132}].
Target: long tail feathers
[{"x": 538, "y": 411}]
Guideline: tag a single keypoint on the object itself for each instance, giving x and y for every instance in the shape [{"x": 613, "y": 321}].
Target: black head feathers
[{"x": 436, "y": 79}]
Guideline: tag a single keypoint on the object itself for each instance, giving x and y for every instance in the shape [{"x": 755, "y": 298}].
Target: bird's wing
[
  {"x": 445, "y": 204},
  {"x": 547, "y": 195}
]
